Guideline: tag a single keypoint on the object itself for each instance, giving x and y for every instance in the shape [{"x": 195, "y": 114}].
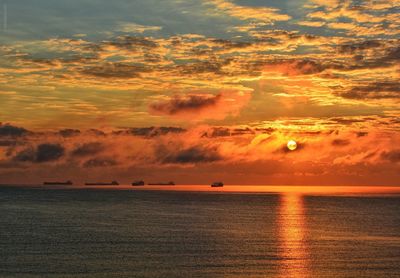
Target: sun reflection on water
[{"x": 292, "y": 234}]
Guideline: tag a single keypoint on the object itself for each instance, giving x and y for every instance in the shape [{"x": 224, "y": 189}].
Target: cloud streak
[
  {"x": 201, "y": 106},
  {"x": 179, "y": 104},
  {"x": 265, "y": 15}
]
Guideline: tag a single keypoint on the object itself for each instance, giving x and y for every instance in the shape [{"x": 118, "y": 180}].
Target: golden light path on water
[{"x": 292, "y": 238}]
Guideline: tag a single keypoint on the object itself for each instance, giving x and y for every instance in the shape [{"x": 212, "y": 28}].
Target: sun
[{"x": 292, "y": 145}]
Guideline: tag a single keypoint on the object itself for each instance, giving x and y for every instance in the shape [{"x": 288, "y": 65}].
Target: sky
[{"x": 197, "y": 91}]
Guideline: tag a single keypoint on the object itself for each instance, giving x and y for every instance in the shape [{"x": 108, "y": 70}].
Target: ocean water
[{"x": 137, "y": 233}]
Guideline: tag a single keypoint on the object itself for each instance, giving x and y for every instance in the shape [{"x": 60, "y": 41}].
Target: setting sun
[{"x": 292, "y": 145}]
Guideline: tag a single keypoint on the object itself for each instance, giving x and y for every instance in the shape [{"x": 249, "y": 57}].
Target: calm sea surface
[{"x": 131, "y": 233}]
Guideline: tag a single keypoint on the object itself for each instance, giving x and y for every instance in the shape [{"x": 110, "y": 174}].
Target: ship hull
[
  {"x": 57, "y": 183},
  {"x": 100, "y": 184},
  {"x": 138, "y": 183},
  {"x": 217, "y": 184}
]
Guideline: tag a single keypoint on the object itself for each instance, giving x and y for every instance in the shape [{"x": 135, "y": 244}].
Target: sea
[{"x": 199, "y": 232}]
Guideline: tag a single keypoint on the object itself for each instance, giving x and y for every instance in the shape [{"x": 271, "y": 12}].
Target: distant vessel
[
  {"x": 58, "y": 183},
  {"x": 163, "y": 183},
  {"x": 217, "y": 184},
  {"x": 138, "y": 183},
  {"x": 102, "y": 183}
]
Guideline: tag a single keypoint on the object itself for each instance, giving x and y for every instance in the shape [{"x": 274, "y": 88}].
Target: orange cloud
[
  {"x": 262, "y": 14},
  {"x": 311, "y": 23}
]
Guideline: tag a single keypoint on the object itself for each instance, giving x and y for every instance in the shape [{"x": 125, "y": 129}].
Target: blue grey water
[{"x": 127, "y": 233}]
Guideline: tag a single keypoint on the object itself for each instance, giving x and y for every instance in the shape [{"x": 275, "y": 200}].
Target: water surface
[{"x": 138, "y": 233}]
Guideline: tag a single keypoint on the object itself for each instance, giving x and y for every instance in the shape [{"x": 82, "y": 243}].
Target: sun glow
[{"x": 292, "y": 145}]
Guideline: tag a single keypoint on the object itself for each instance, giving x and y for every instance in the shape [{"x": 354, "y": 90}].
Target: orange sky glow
[{"x": 212, "y": 90}]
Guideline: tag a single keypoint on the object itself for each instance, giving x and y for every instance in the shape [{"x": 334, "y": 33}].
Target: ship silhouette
[
  {"x": 163, "y": 183},
  {"x": 58, "y": 183},
  {"x": 138, "y": 183},
  {"x": 217, "y": 184},
  {"x": 101, "y": 183}
]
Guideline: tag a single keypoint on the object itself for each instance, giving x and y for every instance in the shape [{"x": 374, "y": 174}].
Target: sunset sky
[{"x": 198, "y": 91}]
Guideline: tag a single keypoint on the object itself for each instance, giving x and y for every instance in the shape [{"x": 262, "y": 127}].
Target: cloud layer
[{"x": 340, "y": 149}]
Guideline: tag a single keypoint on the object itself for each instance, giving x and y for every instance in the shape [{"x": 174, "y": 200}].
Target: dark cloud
[
  {"x": 310, "y": 133},
  {"x": 132, "y": 43},
  {"x": 340, "y": 142},
  {"x": 69, "y": 132},
  {"x": 116, "y": 70},
  {"x": 229, "y": 44},
  {"x": 88, "y": 149},
  {"x": 211, "y": 66},
  {"x": 360, "y": 46},
  {"x": 346, "y": 121},
  {"x": 393, "y": 54},
  {"x": 152, "y": 58},
  {"x": 242, "y": 131},
  {"x": 38, "y": 61},
  {"x": 217, "y": 132},
  {"x": 225, "y": 132},
  {"x": 12, "y": 131},
  {"x": 192, "y": 155},
  {"x": 308, "y": 66},
  {"x": 290, "y": 67},
  {"x": 27, "y": 155},
  {"x": 76, "y": 58},
  {"x": 7, "y": 143},
  {"x": 155, "y": 131},
  {"x": 277, "y": 37},
  {"x": 188, "y": 103},
  {"x": 375, "y": 90},
  {"x": 390, "y": 56},
  {"x": 49, "y": 152},
  {"x": 100, "y": 162},
  {"x": 386, "y": 56},
  {"x": 392, "y": 156},
  {"x": 95, "y": 132},
  {"x": 150, "y": 131},
  {"x": 267, "y": 130},
  {"x": 42, "y": 153},
  {"x": 361, "y": 133}
]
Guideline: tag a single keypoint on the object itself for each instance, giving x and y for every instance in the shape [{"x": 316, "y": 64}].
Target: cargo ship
[
  {"x": 138, "y": 183},
  {"x": 58, "y": 183},
  {"x": 101, "y": 183},
  {"x": 163, "y": 183},
  {"x": 217, "y": 184}
]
